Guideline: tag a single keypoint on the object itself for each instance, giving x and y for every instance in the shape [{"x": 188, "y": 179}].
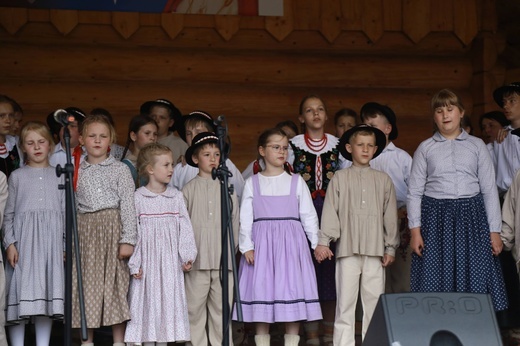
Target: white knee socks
[
  {"x": 291, "y": 340},
  {"x": 262, "y": 340},
  {"x": 17, "y": 334},
  {"x": 43, "y": 327}
]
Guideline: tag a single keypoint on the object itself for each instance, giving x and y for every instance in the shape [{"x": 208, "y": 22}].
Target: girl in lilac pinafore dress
[{"x": 277, "y": 279}]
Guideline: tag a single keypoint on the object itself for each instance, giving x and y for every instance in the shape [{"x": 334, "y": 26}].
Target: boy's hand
[
  {"x": 250, "y": 257},
  {"x": 416, "y": 242},
  {"x": 186, "y": 267},
  {"x": 387, "y": 260},
  {"x": 501, "y": 135},
  {"x": 125, "y": 251},
  {"x": 139, "y": 275},
  {"x": 496, "y": 243},
  {"x": 322, "y": 252},
  {"x": 12, "y": 255}
]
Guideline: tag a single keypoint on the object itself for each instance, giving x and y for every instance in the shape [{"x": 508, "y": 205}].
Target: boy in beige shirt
[{"x": 360, "y": 213}]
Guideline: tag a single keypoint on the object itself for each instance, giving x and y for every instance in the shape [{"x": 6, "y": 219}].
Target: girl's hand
[
  {"x": 250, "y": 257},
  {"x": 182, "y": 160},
  {"x": 417, "y": 243},
  {"x": 186, "y": 267},
  {"x": 125, "y": 251},
  {"x": 496, "y": 243},
  {"x": 322, "y": 252},
  {"x": 12, "y": 255},
  {"x": 138, "y": 275},
  {"x": 387, "y": 260}
]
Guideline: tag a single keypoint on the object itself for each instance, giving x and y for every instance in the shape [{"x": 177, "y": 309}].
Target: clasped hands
[{"x": 322, "y": 253}]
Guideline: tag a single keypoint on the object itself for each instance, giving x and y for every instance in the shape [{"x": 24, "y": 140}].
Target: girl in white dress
[{"x": 165, "y": 248}]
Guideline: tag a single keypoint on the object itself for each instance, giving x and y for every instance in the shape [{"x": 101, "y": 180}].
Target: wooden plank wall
[{"x": 255, "y": 70}]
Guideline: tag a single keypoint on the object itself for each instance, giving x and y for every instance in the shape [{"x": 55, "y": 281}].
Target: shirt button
[
  {"x": 210, "y": 213},
  {"x": 41, "y": 178},
  {"x": 363, "y": 202}
]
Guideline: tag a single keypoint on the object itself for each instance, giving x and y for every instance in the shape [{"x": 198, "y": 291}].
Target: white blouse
[{"x": 279, "y": 185}]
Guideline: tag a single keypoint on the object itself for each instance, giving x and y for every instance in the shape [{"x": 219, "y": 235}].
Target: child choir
[{"x": 316, "y": 218}]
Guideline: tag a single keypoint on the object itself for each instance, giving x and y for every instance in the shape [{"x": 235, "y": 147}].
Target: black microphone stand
[
  {"x": 222, "y": 173},
  {"x": 71, "y": 233}
]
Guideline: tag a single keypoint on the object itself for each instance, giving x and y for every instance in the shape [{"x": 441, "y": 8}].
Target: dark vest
[
  {"x": 11, "y": 162},
  {"x": 305, "y": 163}
]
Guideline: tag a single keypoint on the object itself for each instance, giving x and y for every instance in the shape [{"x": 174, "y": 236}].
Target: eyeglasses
[{"x": 278, "y": 148}]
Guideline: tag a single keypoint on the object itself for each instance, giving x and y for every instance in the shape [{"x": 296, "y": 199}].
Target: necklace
[{"x": 315, "y": 145}]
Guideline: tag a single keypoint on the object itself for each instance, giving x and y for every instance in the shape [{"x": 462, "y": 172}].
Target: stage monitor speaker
[{"x": 433, "y": 319}]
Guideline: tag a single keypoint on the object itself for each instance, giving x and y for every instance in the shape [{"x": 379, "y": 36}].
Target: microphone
[
  {"x": 61, "y": 116},
  {"x": 220, "y": 120}
]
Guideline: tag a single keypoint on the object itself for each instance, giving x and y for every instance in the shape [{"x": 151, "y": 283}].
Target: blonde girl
[
  {"x": 454, "y": 210},
  {"x": 34, "y": 228},
  {"x": 107, "y": 231},
  {"x": 165, "y": 248}
]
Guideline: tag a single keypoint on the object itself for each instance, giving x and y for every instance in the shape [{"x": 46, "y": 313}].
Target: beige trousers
[
  {"x": 204, "y": 296},
  {"x": 355, "y": 273}
]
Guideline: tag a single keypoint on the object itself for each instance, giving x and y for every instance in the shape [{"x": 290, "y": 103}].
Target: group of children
[{"x": 319, "y": 220}]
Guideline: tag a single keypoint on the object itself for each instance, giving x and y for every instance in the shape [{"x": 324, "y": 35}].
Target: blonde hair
[
  {"x": 194, "y": 122},
  {"x": 362, "y": 133},
  {"x": 147, "y": 156},
  {"x": 446, "y": 97},
  {"x": 41, "y": 129},
  {"x": 98, "y": 119}
]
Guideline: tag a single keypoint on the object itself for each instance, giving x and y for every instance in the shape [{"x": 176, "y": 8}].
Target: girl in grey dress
[{"x": 34, "y": 227}]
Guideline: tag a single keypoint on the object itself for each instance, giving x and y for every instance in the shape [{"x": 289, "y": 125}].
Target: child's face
[
  {"x": 448, "y": 119},
  {"x": 6, "y": 118},
  {"x": 96, "y": 141},
  {"x": 37, "y": 149},
  {"x": 362, "y": 148},
  {"x": 192, "y": 131},
  {"x": 17, "y": 120},
  {"x": 512, "y": 107},
  {"x": 163, "y": 120},
  {"x": 146, "y": 134},
  {"x": 490, "y": 128},
  {"x": 162, "y": 169},
  {"x": 74, "y": 134},
  {"x": 379, "y": 122},
  {"x": 314, "y": 114},
  {"x": 344, "y": 123},
  {"x": 207, "y": 159},
  {"x": 275, "y": 151}
]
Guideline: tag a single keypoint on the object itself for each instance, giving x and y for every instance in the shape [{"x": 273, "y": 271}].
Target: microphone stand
[
  {"x": 222, "y": 173},
  {"x": 71, "y": 233}
]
